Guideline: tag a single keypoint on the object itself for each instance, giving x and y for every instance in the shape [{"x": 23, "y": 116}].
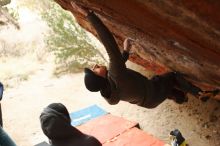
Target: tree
[
  {"x": 9, "y": 15},
  {"x": 4, "y": 2},
  {"x": 69, "y": 42}
]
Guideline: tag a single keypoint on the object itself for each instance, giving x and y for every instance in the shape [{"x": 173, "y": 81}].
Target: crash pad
[
  {"x": 107, "y": 127},
  {"x": 134, "y": 137},
  {"x": 83, "y": 115}
]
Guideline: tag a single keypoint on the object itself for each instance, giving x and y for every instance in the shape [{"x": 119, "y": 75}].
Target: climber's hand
[
  {"x": 128, "y": 42},
  {"x": 84, "y": 11}
]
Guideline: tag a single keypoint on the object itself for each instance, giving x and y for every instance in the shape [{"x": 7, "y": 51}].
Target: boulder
[{"x": 169, "y": 35}]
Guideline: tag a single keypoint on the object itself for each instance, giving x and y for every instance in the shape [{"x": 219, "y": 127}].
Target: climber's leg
[
  {"x": 178, "y": 96},
  {"x": 186, "y": 86}
]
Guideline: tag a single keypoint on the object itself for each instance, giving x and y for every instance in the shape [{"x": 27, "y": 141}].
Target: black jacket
[
  {"x": 60, "y": 132},
  {"x": 124, "y": 84}
]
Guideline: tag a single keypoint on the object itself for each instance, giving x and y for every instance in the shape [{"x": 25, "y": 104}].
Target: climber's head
[{"x": 95, "y": 78}]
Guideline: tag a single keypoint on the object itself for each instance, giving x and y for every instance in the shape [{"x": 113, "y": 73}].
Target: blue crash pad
[{"x": 82, "y": 116}]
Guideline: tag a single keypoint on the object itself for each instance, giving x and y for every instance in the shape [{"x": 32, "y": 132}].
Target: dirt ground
[{"x": 22, "y": 105}]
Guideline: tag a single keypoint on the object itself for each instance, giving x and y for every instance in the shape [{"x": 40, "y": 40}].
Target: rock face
[{"x": 170, "y": 35}]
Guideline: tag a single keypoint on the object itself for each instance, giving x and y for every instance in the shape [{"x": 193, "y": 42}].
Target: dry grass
[
  {"x": 22, "y": 51},
  {"x": 17, "y": 69}
]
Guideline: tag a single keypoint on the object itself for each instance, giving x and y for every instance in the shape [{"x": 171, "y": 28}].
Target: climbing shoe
[{"x": 206, "y": 95}]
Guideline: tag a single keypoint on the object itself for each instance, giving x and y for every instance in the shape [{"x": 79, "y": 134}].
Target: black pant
[{"x": 172, "y": 86}]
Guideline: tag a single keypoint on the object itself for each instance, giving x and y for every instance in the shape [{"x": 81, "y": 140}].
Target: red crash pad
[
  {"x": 106, "y": 127},
  {"x": 134, "y": 137}
]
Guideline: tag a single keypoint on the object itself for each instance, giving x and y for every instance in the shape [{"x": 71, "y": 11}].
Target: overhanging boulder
[{"x": 170, "y": 35}]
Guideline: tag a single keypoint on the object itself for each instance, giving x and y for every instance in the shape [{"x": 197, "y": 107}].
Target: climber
[
  {"x": 56, "y": 125},
  {"x": 120, "y": 83}
]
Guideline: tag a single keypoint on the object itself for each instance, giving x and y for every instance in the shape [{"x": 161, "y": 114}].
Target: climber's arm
[{"x": 116, "y": 60}]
